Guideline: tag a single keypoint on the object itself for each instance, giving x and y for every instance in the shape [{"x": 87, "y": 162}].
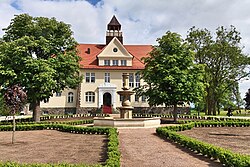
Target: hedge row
[
  {"x": 225, "y": 156},
  {"x": 48, "y": 117},
  {"x": 59, "y": 127},
  {"x": 188, "y": 117},
  {"x": 14, "y": 164},
  {"x": 230, "y": 123},
  {"x": 77, "y": 122},
  {"x": 113, "y": 149},
  {"x": 113, "y": 143}
]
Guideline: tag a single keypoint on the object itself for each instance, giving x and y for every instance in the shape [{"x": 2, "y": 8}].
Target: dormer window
[
  {"x": 115, "y": 63},
  {"x": 123, "y": 62},
  {"x": 107, "y": 62}
]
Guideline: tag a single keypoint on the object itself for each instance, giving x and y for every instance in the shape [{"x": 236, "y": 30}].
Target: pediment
[{"x": 114, "y": 50}]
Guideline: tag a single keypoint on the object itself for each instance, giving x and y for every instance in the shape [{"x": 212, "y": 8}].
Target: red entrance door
[{"x": 107, "y": 109}]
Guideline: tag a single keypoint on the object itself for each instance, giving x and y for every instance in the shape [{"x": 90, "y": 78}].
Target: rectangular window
[
  {"x": 115, "y": 63},
  {"x": 137, "y": 80},
  {"x": 90, "y": 97},
  {"x": 46, "y": 100},
  {"x": 131, "y": 80},
  {"x": 136, "y": 98},
  {"x": 121, "y": 98},
  {"x": 58, "y": 94},
  {"x": 143, "y": 98},
  {"x": 107, "y": 77},
  {"x": 90, "y": 77},
  {"x": 70, "y": 97},
  {"x": 107, "y": 62},
  {"x": 123, "y": 62}
]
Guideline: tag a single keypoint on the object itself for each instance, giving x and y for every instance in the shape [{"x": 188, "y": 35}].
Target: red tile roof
[{"x": 89, "y": 61}]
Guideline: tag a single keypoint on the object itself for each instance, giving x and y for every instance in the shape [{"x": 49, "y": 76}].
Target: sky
[{"x": 143, "y": 21}]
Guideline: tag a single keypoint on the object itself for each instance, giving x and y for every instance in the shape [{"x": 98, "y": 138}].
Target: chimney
[{"x": 88, "y": 51}]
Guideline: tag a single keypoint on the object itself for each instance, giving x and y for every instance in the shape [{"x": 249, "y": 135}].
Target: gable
[{"x": 115, "y": 50}]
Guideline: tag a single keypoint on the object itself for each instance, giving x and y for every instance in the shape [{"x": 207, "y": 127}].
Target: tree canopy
[
  {"x": 225, "y": 63},
  {"x": 40, "y": 54},
  {"x": 170, "y": 73}
]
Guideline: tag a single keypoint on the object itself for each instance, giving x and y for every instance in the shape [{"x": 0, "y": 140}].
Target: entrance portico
[{"x": 107, "y": 95}]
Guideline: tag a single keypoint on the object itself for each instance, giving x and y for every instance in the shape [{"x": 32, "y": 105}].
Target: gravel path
[{"x": 141, "y": 147}]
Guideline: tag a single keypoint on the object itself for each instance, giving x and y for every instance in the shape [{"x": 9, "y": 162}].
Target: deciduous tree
[
  {"x": 40, "y": 54},
  {"x": 171, "y": 75},
  {"x": 224, "y": 62},
  {"x": 15, "y": 98}
]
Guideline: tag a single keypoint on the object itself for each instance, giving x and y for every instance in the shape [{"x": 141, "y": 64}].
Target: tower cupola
[{"x": 114, "y": 30}]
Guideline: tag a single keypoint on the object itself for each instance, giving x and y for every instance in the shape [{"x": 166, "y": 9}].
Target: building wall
[
  {"x": 60, "y": 101},
  {"x": 115, "y": 85},
  {"x": 60, "y": 105}
]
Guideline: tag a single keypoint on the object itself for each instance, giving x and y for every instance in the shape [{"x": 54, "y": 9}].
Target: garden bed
[
  {"x": 236, "y": 139},
  {"x": 51, "y": 146},
  {"x": 112, "y": 153}
]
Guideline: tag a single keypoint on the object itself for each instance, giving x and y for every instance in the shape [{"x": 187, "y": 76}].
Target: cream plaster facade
[
  {"x": 103, "y": 79},
  {"x": 99, "y": 86}
]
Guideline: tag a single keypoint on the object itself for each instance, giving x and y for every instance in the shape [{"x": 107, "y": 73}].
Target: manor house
[{"x": 102, "y": 66}]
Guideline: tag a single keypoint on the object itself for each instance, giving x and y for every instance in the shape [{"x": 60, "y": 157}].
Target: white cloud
[{"x": 142, "y": 20}]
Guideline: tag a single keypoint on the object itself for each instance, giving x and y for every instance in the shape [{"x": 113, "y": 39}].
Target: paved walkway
[{"x": 141, "y": 147}]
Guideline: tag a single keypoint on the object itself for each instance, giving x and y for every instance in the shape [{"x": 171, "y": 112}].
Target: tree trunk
[
  {"x": 214, "y": 106},
  {"x": 218, "y": 108},
  {"x": 14, "y": 129},
  {"x": 209, "y": 105},
  {"x": 175, "y": 112},
  {"x": 36, "y": 111},
  {"x": 209, "y": 102},
  {"x": 206, "y": 99}
]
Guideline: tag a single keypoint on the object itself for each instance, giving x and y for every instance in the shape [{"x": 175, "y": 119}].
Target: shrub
[{"x": 225, "y": 156}]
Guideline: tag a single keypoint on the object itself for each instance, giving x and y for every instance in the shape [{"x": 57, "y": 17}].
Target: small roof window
[{"x": 115, "y": 50}]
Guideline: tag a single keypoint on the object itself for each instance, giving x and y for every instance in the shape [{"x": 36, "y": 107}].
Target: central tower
[{"x": 114, "y": 30}]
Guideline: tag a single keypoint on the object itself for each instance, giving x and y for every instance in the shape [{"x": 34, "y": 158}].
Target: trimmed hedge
[
  {"x": 225, "y": 156},
  {"x": 77, "y": 122},
  {"x": 13, "y": 164},
  {"x": 48, "y": 117},
  {"x": 230, "y": 123},
  {"x": 135, "y": 115},
  {"x": 113, "y": 143}
]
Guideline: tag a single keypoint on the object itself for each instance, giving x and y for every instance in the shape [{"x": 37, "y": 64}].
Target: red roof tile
[{"x": 89, "y": 60}]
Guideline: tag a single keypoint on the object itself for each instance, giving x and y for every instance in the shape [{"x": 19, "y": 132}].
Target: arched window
[
  {"x": 90, "y": 97},
  {"x": 70, "y": 97}
]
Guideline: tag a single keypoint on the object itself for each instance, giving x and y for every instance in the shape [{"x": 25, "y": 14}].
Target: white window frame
[
  {"x": 123, "y": 62},
  {"x": 131, "y": 80},
  {"x": 58, "y": 94},
  {"x": 143, "y": 98},
  {"x": 107, "y": 62},
  {"x": 107, "y": 77},
  {"x": 137, "y": 80},
  {"x": 115, "y": 62},
  {"x": 70, "y": 97},
  {"x": 46, "y": 100},
  {"x": 90, "y": 77},
  {"x": 90, "y": 97},
  {"x": 137, "y": 98}
]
